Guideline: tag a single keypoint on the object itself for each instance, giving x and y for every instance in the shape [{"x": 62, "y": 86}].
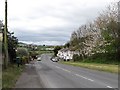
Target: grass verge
[
  {"x": 95, "y": 66},
  {"x": 10, "y": 75}
]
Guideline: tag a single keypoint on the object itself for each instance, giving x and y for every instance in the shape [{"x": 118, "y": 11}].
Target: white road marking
[
  {"x": 57, "y": 67},
  {"x": 109, "y": 87},
  {"x": 84, "y": 77},
  {"x": 66, "y": 70},
  {"x": 63, "y": 69},
  {"x": 80, "y": 76},
  {"x": 75, "y": 74},
  {"x": 90, "y": 80}
]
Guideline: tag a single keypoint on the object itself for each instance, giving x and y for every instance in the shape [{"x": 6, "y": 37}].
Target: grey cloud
[
  {"x": 51, "y": 35},
  {"x": 74, "y": 15}
]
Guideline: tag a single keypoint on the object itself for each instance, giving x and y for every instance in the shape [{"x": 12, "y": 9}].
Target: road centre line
[
  {"x": 89, "y": 79},
  {"x": 57, "y": 67},
  {"x": 80, "y": 76},
  {"x": 63, "y": 69},
  {"x": 84, "y": 77},
  {"x": 75, "y": 74},
  {"x": 109, "y": 87},
  {"x": 66, "y": 70}
]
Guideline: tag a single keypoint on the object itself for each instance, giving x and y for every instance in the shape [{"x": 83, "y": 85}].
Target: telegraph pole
[
  {"x": 118, "y": 44},
  {"x": 5, "y": 39}
]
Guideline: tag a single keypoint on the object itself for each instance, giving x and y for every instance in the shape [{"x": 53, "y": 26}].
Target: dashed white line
[
  {"x": 109, "y": 87},
  {"x": 63, "y": 69},
  {"x": 84, "y": 77},
  {"x": 90, "y": 80},
  {"x": 75, "y": 74},
  {"x": 80, "y": 76},
  {"x": 66, "y": 70},
  {"x": 57, "y": 67}
]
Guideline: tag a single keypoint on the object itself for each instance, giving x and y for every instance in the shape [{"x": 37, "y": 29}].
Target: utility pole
[{"x": 5, "y": 39}]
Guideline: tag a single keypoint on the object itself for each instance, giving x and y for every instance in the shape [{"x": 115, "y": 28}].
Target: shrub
[
  {"x": 106, "y": 58},
  {"x": 25, "y": 59},
  {"x": 33, "y": 54},
  {"x": 23, "y": 54},
  {"x": 76, "y": 57},
  {"x": 56, "y": 49}
]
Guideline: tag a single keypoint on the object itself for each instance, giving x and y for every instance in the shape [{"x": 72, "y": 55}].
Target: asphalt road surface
[{"x": 56, "y": 75}]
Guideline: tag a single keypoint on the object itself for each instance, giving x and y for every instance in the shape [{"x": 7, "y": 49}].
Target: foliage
[
  {"x": 67, "y": 45},
  {"x": 99, "y": 40},
  {"x": 33, "y": 54},
  {"x": 12, "y": 45},
  {"x": 56, "y": 49},
  {"x": 25, "y": 59},
  {"x": 76, "y": 57},
  {"x": 103, "y": 58},
  {"x": 22, "y": 52}
]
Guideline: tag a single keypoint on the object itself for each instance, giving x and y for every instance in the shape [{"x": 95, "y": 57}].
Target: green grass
[
  {"x": 95, "y": 66},
  {"x": 10, "y": 76}
]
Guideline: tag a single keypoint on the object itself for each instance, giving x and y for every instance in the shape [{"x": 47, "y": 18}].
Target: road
[{"x": 56, "y": 75}]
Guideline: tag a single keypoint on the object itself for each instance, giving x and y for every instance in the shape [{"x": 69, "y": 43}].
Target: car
[
  {"x": 39, "y": 59},
  {"x": 54, "y": 59}
]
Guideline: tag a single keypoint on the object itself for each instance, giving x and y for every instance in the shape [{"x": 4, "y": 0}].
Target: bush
[
  {"x": 23, "y": 54},
  {"x": 107, "y": 58},
  {"x": 76, "y": 57},
  {"x": 25, "y": 59},
  {"x": 34, "y": 54},
  {"x": 56, "y": 49}
]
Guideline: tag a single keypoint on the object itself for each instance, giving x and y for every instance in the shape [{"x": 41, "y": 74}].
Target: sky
[{"x": 50, "y": 22}]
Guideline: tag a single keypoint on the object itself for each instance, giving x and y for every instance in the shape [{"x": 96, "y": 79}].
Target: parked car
[
  {"x": 39, "y": 59},
  {"x": 55, "y": 59}
]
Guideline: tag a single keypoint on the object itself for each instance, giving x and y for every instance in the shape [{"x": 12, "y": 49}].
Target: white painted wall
[{"x": 66, "y": 54}]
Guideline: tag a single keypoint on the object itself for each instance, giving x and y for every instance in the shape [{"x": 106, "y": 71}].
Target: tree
[
  {"x": 100, "y": 36},
  {"x": 56, "y": 49},
  {"x": 108, "y": 25},
  {"x": 67, "y": 45},
  {"x": 74, "y": 39},
  {"x": 12, "y": 46},
  {"x": 23, "y": 54}
]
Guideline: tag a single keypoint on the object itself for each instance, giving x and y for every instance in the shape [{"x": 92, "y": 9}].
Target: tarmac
[{"x": 29, "y": 78}]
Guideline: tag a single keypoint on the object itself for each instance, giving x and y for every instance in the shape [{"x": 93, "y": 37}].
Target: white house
[{"x": 66, "y": 54}]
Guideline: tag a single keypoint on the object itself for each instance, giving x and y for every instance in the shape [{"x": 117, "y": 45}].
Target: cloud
[{"x": 46, "y": 21}]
